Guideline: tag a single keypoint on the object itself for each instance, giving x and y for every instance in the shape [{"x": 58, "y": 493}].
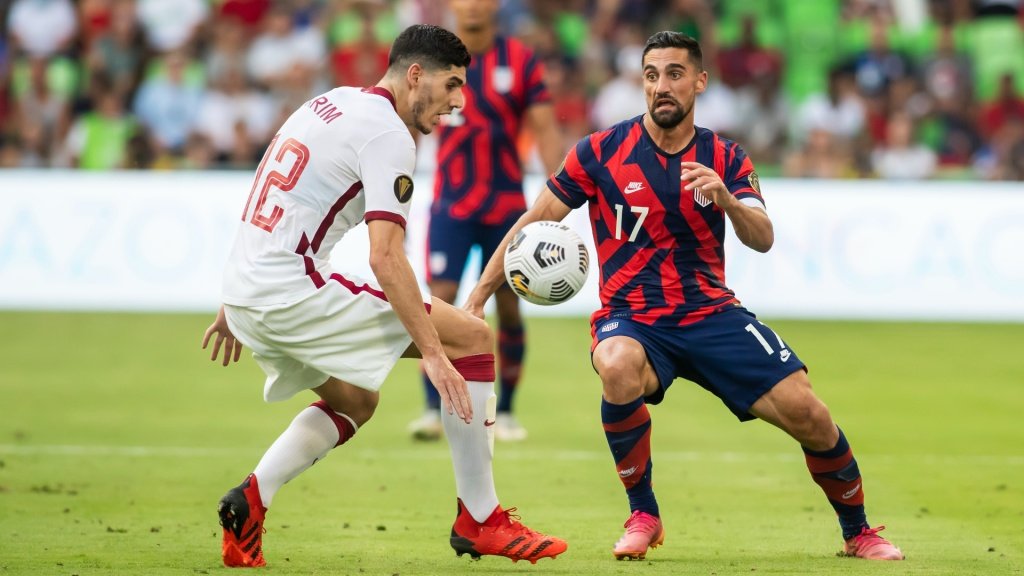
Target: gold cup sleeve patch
[
  {"x": 755, "y": 182},
  {"x": 403, "y": 188}
]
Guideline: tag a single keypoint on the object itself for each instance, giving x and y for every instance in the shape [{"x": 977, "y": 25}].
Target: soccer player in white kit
[{"x": 344, "y": 157}]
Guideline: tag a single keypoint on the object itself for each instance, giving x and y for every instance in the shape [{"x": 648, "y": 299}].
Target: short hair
[
  {"x": 429, "y": 46},
  {"x": 669, "y": 39}
]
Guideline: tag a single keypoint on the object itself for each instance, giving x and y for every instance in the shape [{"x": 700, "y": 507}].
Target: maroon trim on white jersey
[
  {"x": 382, "y": 92},
  {"x": 351, "y": 286},
  {"x": 305, "y": 244},
  {"x": 385, "y": 215}
]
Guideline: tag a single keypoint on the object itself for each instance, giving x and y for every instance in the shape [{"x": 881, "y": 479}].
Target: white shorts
[{"x": 346, "y": 329}]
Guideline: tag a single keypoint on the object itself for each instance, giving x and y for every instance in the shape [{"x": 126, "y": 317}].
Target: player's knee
[
  {"x": 361, "y": 408},
  {"x": 621, "y": 370},
  {"x": 811, "y": 423},
  {"x": 477, "y": 335}
]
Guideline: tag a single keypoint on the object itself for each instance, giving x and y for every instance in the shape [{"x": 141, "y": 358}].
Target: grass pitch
[{"x": 118, "y": 436}]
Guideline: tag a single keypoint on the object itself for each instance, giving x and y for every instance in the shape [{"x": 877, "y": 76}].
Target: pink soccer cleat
[
  {"x": 642, "y": 531},
  {"x": 868, "y": 544}
]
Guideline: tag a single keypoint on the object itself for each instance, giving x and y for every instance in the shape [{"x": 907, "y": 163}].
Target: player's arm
[
  {"x": 752, "y": 225},
  {"x": 541, "y": 118},
  {"x": 394, "y": 273},
  {"x": 546, "y": 207}
]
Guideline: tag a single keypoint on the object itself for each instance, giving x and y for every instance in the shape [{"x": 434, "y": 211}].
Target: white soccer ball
[{"x": 546, "y": 263}]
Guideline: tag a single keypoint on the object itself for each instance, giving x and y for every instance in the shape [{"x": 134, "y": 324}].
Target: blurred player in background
[
  {"x": 478, "y": 187},
  {"x": 341, "y": 158},
  {"x": 659, "y": 191}
]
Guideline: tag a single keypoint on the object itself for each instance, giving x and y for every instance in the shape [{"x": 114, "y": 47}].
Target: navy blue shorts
[
  {"x": 730, "y": 353},
  {"x": 450, "y": 240}
]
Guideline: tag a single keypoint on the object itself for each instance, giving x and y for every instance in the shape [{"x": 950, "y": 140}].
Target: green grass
[{"x": 117, "y": 438}]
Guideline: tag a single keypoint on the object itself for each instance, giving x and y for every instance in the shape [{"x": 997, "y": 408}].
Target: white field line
[{"x": 501, "y": 453}]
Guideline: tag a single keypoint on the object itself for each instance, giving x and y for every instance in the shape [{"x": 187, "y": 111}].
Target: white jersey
[{"x": 342, "y": 157}]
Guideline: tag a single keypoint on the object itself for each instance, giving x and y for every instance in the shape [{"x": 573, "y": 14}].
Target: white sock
[
  {"x": 310, "y": 436},
  {"x": 472, "y": 447}
]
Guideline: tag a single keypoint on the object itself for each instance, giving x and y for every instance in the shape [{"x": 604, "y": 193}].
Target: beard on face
[
  {"x": 422, "y": 104},
  {"x": 670, "y": 118}
]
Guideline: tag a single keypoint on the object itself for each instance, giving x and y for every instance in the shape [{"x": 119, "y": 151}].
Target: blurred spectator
[
  {"x": 1007, "y": 106},
  {"x": 246, "y": 13},
  {"x": 199, "y": 153},
  {"x": 99, "y": 139},
  {"x": 762, "y": 120},
  {"x": 117, "y": 51},
  {"x": 41, "y": 114},
  {"x": 569, "y": 97},
  {"x": 840, "y": 111},
  {"x": 281, "y": 53},
  {"x": 879, "y": 65},
  {"x": 42, "y": 28},
  {"x": 623, "y": 96},
  {"x": 228, "y": 51},
  {"x": 821, "y": 156},
  {"x": 171, "y": 24},
  {"x": 946, "y": 74},
  {"x": 235, "y": 120},
  {"x": 361, "y": 57},
  {"x": 747, "y": 61},
  {"x": 903, "y": 157},
  {"x": 167, "y": 105}
]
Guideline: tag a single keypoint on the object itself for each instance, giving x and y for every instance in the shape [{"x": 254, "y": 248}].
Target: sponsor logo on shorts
[
  {"x": 488, "y": 423},
  {"x": 784, "y": 355},
  {"x": 609, "y": 327},
  {"x": 403, "y": 188}
]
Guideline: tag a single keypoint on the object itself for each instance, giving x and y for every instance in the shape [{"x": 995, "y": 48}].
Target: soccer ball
[{"x": 546, "y": 263}]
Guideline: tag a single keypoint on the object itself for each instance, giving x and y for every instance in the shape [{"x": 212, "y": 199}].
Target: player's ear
[
  {"x": 702, "y": 81},
  {"x": 414, "y": 74}
]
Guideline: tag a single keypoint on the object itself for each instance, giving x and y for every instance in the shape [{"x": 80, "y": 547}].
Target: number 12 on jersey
[{"x": 274, "y": 179}]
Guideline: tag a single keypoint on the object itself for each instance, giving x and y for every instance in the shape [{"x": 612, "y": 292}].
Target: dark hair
[
  {"x": 429, "y": 46},
  {"x": 669, "y": 39}
]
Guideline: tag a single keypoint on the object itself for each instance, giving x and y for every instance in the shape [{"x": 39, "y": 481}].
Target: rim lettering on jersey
[{"x": 403, "y": 188}]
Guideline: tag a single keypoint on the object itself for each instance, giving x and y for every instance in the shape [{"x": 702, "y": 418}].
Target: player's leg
[
  {"x": 511, "y": 338},
  {"x": 482, "y": 526},
  {"x": 794, "y": 407},
  {"x": 627, "y": 377},
  {"x": 448, "y": 244},
  {"x": 511, "y": 352}
]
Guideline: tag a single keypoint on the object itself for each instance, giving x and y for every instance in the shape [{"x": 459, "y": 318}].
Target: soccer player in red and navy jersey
[
  {"x": 659, "y": 190},
  {"x": 478, "y": 187}
]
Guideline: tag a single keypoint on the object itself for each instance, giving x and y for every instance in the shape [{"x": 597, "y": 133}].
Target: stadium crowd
[{"x": 822, "y": 88}]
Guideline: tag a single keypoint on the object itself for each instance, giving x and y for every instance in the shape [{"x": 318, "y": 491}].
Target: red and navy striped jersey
[
  {"x": 479, "y": 173},
  {"x": 660, "y": 247}
]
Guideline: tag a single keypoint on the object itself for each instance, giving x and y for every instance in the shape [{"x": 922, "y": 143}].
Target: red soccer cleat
[
  {"x": 642, "y": 531},
  {"x": 868, "y": 544},
  {"x": 241, "y": 514},
  {"x": 501, "y": 535}
]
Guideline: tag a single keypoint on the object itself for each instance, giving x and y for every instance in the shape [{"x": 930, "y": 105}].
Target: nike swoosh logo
[{"x": 488, "y": 422}]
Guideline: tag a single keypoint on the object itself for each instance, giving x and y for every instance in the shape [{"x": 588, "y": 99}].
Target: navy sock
[
  {"x": 627, "y": 428},
  {"x": 835, "y": 470},
  {"x": 511, "y": 350}
]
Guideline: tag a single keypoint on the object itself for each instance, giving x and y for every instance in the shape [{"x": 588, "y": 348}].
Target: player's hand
[
  {"x": 475, "y": 308},
  {"x": 232, "y": 347},
  {"x": 707, "y": 182},
  {"x": 450, "y": 385}
]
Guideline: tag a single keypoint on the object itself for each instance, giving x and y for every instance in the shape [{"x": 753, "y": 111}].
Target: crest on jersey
[
  {"x": 501, "y": 78},
  {"x": 755, "y": 182},
  {"x": 700, "y": 199},
  {"x": 403, "y": 188}
]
